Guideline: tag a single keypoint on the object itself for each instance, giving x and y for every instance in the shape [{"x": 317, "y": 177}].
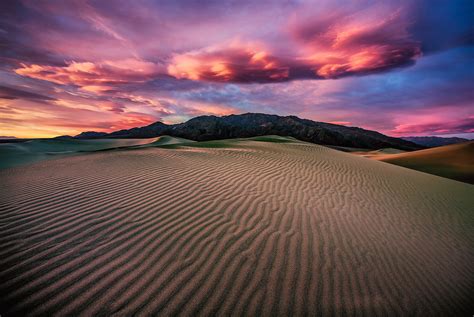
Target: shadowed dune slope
[
  {"x": 247, "y": 227},
  {"x": 452, "y": 161}
]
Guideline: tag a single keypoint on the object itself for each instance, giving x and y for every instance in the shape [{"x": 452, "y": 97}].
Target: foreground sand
[{"x": 237, "y": 228}]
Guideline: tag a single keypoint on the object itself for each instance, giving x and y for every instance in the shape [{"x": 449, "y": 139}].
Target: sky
[{"x": 404, "y": 68}]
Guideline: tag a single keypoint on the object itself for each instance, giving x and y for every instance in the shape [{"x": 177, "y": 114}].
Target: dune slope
[
  {"x": 454, "y": 161},
  {"x": 244, "y": 227},
  {"x": 21, "y": 153}
]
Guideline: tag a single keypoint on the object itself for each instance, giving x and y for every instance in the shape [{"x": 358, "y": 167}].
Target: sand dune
[
  {"x": 454, "y": 161},
  {"x": 168, "y": 140},
  {"x": 16, "y": 154},
  {"x": 372, "y": 153},
  {"x": 233, "y": 227}
]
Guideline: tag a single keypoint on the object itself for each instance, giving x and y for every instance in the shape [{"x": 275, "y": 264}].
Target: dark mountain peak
[
  {"x": 64, "y": 137},
  {"x": 202, "y": 119},
  {"x": 153, "y": 129},
  {"x": 91, "y": 135},
  {"x": 156, "y": 124},
  {"x": 245, "y": 125}
]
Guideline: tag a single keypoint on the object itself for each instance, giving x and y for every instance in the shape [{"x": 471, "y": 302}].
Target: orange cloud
[
  {"x": 235, "y": 62},
  {"x": 368, "y": 59},
  {"x": 443, "y": 121},
  {"x": 346, "y": 44},
  {"x": 242, "y": 63},
  {"x": 26, "y": 118},
  {"x": 94, "y": 77},
  {"x": 341, "y": 44},
  {"x": 346, "y": 123}
]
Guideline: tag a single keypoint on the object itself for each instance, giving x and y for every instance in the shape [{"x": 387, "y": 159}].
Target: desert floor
[{"x": 235, "y": 227}]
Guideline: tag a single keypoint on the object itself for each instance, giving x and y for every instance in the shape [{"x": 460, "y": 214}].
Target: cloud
[
  {"x": 65, "y": 117},
  {"x": 94, "y": 77},
  {"x": 236, "y": 62},
  {"x": 346, "y": 123},
  {"x": 375, "y": 64},
  {"x": 354, "y": 41},
  {"x": 437, "y": 127},
  {"x": 14, "y": 93},
  {"x": 342, "y": 44}
]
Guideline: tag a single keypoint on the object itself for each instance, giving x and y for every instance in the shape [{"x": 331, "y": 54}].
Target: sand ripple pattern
[{"x": 259, "y": 229}]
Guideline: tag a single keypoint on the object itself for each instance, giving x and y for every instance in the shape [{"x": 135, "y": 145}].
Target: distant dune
[
  {"x": 266, "y": 226},
  {"x": 169, "y": 140},
  {"x": 454, "y": 161},
  {"x": 371, "y": 154},
  {"x": 26, "y": 152}
]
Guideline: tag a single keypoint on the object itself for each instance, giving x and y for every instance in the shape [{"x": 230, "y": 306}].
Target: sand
[
  {"x": 234, "y": 227},
  {"x": 21, "y": 153},
  {"x": 455, "y": 161},
  {"x": 375, "y": 153}
]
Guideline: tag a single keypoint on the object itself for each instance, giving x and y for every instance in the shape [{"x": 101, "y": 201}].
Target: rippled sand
[{"x": 233, "y": 227}]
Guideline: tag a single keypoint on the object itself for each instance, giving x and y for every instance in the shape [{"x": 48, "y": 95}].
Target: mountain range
[
  {"x": 434, "y": 141},
  {"x": 204, "y": 128}
]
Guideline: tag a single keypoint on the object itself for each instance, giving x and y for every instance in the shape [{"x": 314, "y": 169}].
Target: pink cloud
[
  {"x": 94, "y": 77},
  {"x": 124, "y": 57},
  {"x": 346, "y": 123},
  {"x": 435, "y": 125},
  {"x": 342, "y": 44},
  {"x": 318, "y": 41},
  {"x": 233, "y": 62},
  {"x": 347, "y": 42},
  {"x": 66, "y": 117}
]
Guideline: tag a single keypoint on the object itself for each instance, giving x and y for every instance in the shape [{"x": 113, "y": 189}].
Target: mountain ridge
[
  {"x": 205, "y": 128},
  {"x": 434, "y": 141}
]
